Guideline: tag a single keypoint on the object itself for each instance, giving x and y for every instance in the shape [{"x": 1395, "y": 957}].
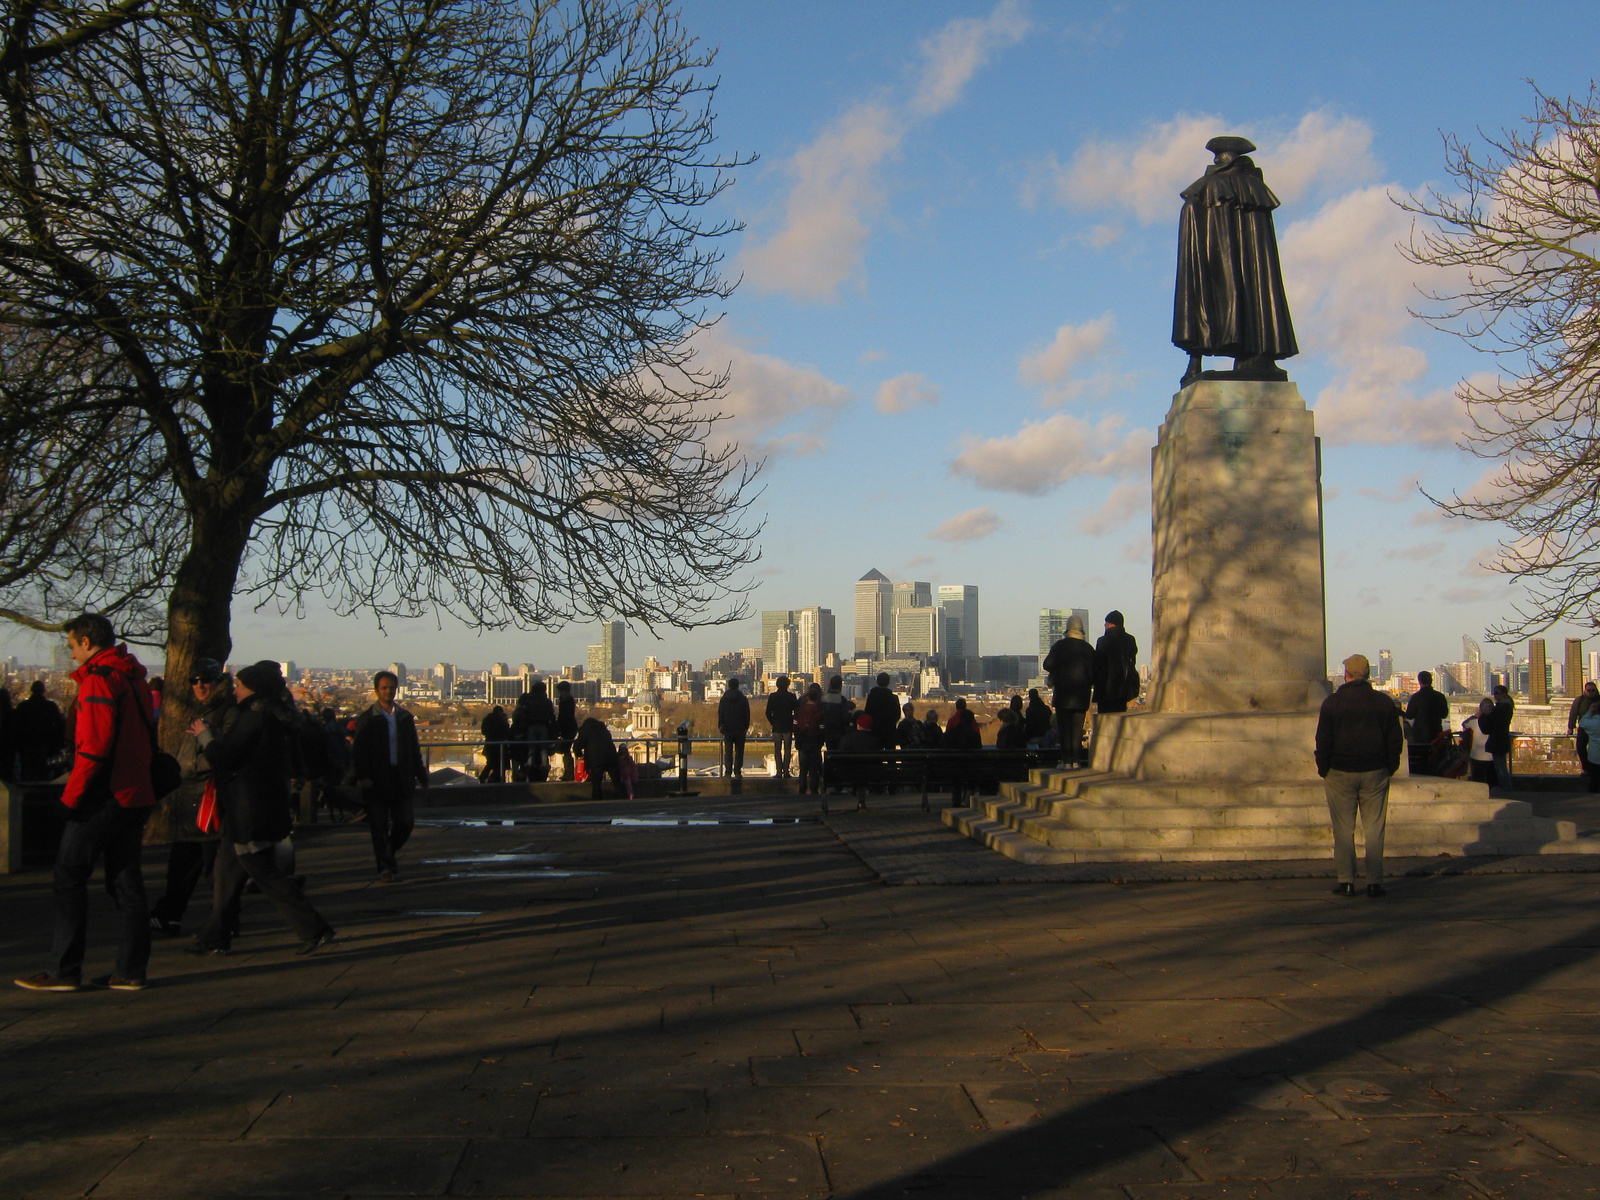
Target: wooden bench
[{"x": 955, "y": 771}]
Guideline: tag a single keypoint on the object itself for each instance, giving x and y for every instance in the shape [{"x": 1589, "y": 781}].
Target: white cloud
[
  {"x": 1145, "y": 174},
  {"x": 1350, "y": 291},
  {"x": 1052, "y": 370},
  {"x": 959, "y": 50},
  {"x": 773, "y": 406},
  {"x": 1124, "y": 502},
  {"x": 905, "y": 392},
  {"x": 1042, "y": 455},
  {"x": 968, "y": 526},
  {"x": 837, "y": 187}
]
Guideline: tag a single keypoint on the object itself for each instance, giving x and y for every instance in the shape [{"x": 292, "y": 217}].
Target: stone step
[
  {"x": 1104, "y": 788},
  {"x": 1087, "y": 815},
  {"x": 1022, "y": 848}
]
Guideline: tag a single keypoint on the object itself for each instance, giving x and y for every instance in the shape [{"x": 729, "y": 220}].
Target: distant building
[
  {"x": 1538, "y": 676},
  {"x": 960, "y": 604},
  {"x": 907, "y": 595},
  {"x": 1572, "y": 677},
  {"x": 874, "y": 603},
  {"x": 815, "y": 643},
  {"x": 919, "y": 630},
  {"x": 1053, "y": 626},
  {"x": 1470, "y": 650},
  {"x": 613, "y": 650},
  {"x": 444, "y": 679},
  {"x": 773, "y": 623},
  {"x": 785, "y": 652},
  {"x": 399, "y": 670},
  {"x": 1385, "y": 665},
  {"x": 1009, "y": 670}
]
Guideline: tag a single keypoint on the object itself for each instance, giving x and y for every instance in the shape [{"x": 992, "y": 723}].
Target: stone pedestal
[{"x": 1222, "y": 766}]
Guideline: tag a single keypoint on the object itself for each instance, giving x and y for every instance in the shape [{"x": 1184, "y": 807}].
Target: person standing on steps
[
  {"x": 1116, "y": 667},
  {"x": 1358, "y": 751},
  {"x": 1428, "y": 711},
  {"x": 386, "y": 764},
  {"x": 108, "y": 799},
  {"x": 1070, "y": 666}
]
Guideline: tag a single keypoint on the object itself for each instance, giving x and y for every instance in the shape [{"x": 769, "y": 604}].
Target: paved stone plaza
[{"x": 749, "y": 1010}]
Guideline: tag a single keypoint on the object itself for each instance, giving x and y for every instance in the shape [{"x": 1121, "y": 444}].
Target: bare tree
[
  {"x": 1520, "y": 242},
  {"x": 35, "y": 31},
  {"x": 391, "y": 290}
]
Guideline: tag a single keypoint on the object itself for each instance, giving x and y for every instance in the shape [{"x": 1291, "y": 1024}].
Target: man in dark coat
[
  {"x": 1070, "y": 666},
  {"x": 908, "y": 734},
  {"x": 595, "y": 746},
  {"x": 496, "y": 730},
  {"x": 1582, "y": 703},
  {"x": 541, "y": 725},
  {"x": 41, "y": 732},
  {"x": 781, "y": 706},
  {"x": 1230, "y": 298},
  {"x": 883, "y": 706},
  {"x": 1358, "y": 751},
  {"x": 733, "y": 723},
  {"x": 566, "y": 727},
  {"x": 1427, "y": 710},
  {"x": 1116, "y": 667},
  {"x": 386, "y": 763},
  {"x": 1497, "y": 725}
]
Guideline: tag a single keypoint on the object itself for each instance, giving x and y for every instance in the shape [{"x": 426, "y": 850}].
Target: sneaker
[
  {"x": 117, "y": 984},
  {"x": 387, "y": 876},
  {"x": 170, "y": 928},
  {"x": 197, "y": 949},
  {"x": 1374, "y": 890},
  {"x": 1344, "y": 889},
  {"x": 45, "y": 982},
  {"x": 312, "y": 944}
]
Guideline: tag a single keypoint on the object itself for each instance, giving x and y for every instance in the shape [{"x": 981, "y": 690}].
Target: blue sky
[{"x": 951, "y": 339}]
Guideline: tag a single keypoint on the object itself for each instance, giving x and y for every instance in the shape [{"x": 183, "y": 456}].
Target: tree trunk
[{"x": 199, "y": 614}]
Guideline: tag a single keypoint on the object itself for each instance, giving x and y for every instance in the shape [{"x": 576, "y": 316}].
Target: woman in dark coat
[
  {"x": 1037, "y": 717},
  {"x": 253, "y": 762}
]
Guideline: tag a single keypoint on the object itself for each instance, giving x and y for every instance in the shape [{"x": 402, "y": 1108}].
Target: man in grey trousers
[{"x": 1359, "y": 739}]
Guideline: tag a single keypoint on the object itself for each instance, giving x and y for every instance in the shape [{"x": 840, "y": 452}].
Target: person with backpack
[
  {"x": 781, "y": 706},
  {"x": 521, "y": 733},
  {"x": 808, "y": 740},
  {"x": 1116, "y": 667},
  {"x": 541, "y": 720},
  {"x": 254, "y": 762},
  {"x": 836, "y": 720},
  {"x": 108, "y": 798}
]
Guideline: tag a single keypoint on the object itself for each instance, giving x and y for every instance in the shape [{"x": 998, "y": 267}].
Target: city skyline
[{"x": 957, "y": 255}]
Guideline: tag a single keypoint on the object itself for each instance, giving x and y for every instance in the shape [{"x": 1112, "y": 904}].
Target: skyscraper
[
  {"x": 874, "y": 603},
  {"x": 960, "y": 604},
  {"x": 814, "y": 628},
  {"x": 1470, "y": 650},
  {"x": 784, "y": 653},
  {"x": 1573, "y": 682},
  {"x": 919, "y": 629},
  {"x": 1053, "y": 626},
  {"x": 772, "y": 621},
  {"x": 1385, "y": 665},
  {"x": 1538, "y": 678},
  {"x": 613, "y": 651}
]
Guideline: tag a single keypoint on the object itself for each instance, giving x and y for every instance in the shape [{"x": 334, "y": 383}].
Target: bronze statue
[{"x": 1230, "y": 299}]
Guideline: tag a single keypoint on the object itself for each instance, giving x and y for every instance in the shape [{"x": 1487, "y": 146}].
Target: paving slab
[{"x": 740, "y": 1010}]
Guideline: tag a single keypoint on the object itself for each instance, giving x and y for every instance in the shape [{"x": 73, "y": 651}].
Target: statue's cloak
[{"x": 1230, "y": 299}]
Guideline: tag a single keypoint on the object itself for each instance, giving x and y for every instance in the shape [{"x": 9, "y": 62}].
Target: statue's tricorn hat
[{"x": 1228, "y": 144}]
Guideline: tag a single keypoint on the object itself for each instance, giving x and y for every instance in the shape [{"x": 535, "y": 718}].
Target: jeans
[
  {"x": 1070, "y": 724},
  {"x": 811, "y": 768},
  {"x": 390, "y": 817},
  {"x": 1350, "y": 792},
  {"x": 782, "y": 744},
  {"x": 284, "y": 890},
  {"x": 1502, "y": 772},
  {"x": 733, "y": 754},
  {"x": 117, "y": 834},
  {"x": 187, "y": 864}
]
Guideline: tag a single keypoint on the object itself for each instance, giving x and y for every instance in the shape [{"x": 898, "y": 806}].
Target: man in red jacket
[{"x": 108, "y": 799}]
